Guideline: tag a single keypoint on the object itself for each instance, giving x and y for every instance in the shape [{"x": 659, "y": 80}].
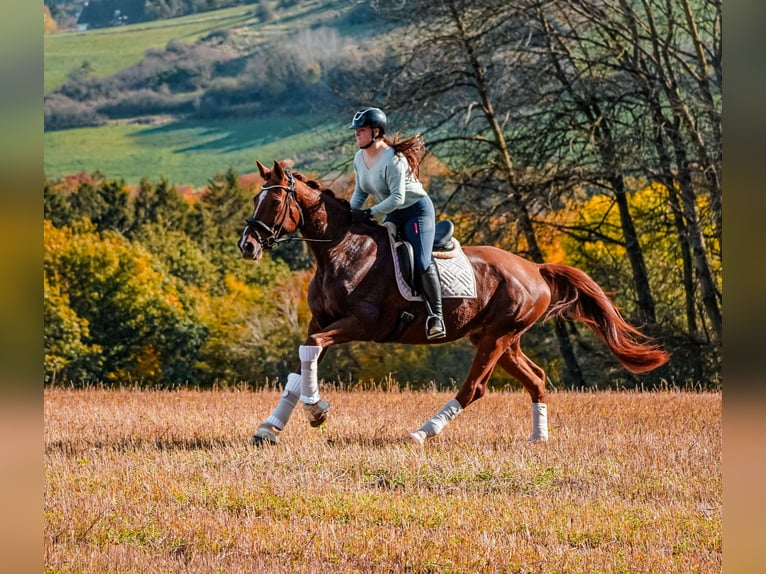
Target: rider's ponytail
[{"x": 413, "y": 149}]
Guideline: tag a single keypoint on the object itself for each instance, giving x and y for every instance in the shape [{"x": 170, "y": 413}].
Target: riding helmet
[{"x": 369, "y": 118}]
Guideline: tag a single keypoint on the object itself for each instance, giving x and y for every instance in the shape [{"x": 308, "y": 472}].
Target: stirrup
[
  {"x": 435, "y": 327},
  {"x": 316, "y": 413}
]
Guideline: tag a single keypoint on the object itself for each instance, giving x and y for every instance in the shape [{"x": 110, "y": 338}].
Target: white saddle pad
[{"x": 455, "y": 272}]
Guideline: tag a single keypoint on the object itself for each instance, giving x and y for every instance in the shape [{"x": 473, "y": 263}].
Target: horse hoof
[
  {"x": 317, "y": 413},
  {"x": 266, "y": 435},
  {"x": 537, "y": 438},
  {"x": 417, "y": 438}
]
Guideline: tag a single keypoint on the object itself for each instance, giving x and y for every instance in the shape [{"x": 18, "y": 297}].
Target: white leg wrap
[
  {"x": 309, "y": 384},
  {"x": 437, "y": 422},
  {"x": 539, "y": 422},
  {"x": 281, "y": 413}
]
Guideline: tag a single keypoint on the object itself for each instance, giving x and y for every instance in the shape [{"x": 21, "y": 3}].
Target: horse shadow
[{"x": 73, "y": 447}]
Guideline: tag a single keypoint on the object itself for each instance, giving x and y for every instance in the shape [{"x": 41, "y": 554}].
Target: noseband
[{"x": 272, "y": 236}]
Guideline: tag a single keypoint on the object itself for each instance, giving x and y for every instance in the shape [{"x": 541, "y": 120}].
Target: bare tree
[
  {"x": 658, "y": 47},
  {"x": 530, "y": 104},
  {"x": 459, "y": 76}
]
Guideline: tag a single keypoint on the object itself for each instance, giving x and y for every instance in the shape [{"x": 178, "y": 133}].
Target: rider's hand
[{"x": 359, "y": 215}]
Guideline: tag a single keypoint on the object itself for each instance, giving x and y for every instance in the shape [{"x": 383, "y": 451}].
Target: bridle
[{"x": 271, "y": 236}]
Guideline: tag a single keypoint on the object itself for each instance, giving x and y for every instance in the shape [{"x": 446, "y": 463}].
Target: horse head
[{"x": 276, "y": 212}]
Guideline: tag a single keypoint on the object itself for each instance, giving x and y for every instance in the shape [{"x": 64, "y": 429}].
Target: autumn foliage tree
[{"x": 153, "y": 303}]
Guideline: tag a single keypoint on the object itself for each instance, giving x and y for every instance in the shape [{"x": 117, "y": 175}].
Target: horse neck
[
  {"x": 323, "y": 216},
  {"x": 326, "y": 218}
]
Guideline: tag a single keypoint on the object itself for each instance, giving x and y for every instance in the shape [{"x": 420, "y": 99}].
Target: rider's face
[{"x": 363, "y": 136}]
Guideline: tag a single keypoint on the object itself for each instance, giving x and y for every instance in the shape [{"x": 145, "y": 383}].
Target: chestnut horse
[{"x": 353, "y": 296}]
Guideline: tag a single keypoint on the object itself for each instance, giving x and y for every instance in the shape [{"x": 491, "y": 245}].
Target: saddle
[{"x": 455, "y": 272}]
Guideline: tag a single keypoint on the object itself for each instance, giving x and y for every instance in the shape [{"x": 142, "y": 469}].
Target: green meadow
[
  {"x": 184, "y": 152},
  {"x": 109, "y": 50}
]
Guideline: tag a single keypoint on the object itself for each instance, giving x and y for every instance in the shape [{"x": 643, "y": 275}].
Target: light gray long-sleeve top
[{"x": 389, "y": 181}]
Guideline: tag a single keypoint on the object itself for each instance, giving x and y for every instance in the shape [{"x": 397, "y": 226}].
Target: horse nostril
[{"x": 248, "y": 248}]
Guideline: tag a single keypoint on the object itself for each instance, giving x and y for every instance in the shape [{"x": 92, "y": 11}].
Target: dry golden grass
[{"x": 145, "y": 481}]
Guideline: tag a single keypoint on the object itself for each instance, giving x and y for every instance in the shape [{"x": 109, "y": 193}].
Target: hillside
[
  {"x": 109, "y": 50},
  {"x": 185, "y": 98}
]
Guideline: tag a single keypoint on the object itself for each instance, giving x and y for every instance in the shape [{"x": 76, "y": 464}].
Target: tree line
[{"x": 145, "y": 286}]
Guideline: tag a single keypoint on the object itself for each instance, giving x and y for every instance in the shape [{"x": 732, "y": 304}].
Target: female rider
[{"x": 388, "y": 170}]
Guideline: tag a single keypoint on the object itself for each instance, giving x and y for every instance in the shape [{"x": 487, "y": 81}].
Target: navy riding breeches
[{"x": 417, "y": 222}]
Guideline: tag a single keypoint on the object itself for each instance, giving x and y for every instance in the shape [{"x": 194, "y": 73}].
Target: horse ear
[
  {"x": 265, "y": 173},
  {"x": 279, "y": 173}
]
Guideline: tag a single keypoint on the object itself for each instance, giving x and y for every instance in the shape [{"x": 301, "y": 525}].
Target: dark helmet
[{"x": 369, "y": 118}]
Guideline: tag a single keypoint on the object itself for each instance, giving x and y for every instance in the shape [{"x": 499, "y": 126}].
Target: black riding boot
[{"x": 432, "y": 293}]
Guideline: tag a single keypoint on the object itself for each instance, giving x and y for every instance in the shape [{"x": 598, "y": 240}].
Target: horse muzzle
[{"x": 250, "y": 249}]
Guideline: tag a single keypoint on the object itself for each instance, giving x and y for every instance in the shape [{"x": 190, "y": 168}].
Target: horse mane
[{"x": 314, "y": 184}]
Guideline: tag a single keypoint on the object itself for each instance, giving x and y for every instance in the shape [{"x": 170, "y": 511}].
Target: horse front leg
[
  {"x": 489, "y": 350},
  {"x": 314, "y": 407},
  {"x": 303, "y": 386},
  {"x": 268, "y": 431}
]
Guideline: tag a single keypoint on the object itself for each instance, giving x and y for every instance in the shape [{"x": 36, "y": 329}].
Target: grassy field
[
  {"x": 145, "y": 481},
  {"x": 109, "y": 50},
  {"x": 184, "y": 152}
]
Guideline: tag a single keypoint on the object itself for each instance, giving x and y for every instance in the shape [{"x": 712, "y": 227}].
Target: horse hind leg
[{"x": 532, "y": 377}]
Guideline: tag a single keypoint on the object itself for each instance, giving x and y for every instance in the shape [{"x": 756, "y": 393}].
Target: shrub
[
  {"x": 146, "y": 102},
  {"x": 61, "y": 113}
]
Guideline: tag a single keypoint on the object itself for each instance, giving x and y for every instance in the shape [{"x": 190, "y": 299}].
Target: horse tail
[{"x": 574, "y": 295}]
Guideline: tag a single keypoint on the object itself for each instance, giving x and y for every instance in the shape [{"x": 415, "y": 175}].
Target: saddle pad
[{"x": 455, "y": 272}]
